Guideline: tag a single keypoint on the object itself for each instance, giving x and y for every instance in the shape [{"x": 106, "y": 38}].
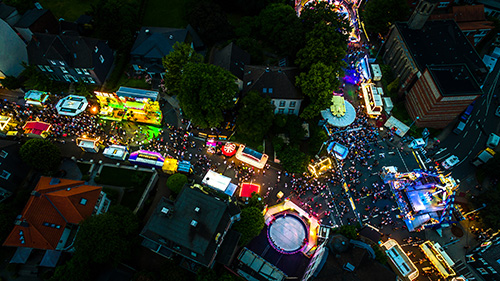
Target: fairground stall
[
  {"x": 118, "y": 152},
  {"x": 8, "y": 126},
  {"x": 219, "y": 182},
  {"x": 439, "y": 259},
  {"x": 340, "y": 114},
  {"x": 373, "y": 100},
  {"x": 71, "y": 105},
  {"x": 229, "y": 149},
  {"x": 399, "y": 261},
  {"x": 129, "y": 104},
  {"x": 36, "y": 98},
  {"x": 425, "y": 198},
  {"x": 338, "y": 150},
  {"x": 88, "y": 144},
  {"x": 247, "y": 189},
  {"x": 171, "y": 166},
  {"x": 147, "y": 158},
  {"x": 37, "y": 129},
  {"x": 320, "y": 167},
  {"x": 251, "y": 157}
]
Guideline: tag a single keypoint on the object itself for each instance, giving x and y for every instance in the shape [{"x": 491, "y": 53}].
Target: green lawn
[
  {"x": 69, "y": 10},
  {"x": 166, "y": 13}
]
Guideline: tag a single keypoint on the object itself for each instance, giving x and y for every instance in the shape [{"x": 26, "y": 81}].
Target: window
[
  {"x": 281, "y": 111},
  {"x": 282, "y": 103},
  {"x": 5, "y": 175},
  {"x": 264, "y": 90},
  {"x": 83, "y": 201},
  {"x": 272, "y": 102},
  {"x": 84, "y": 79},
  {"x": 101, "y": 58},
  {"x": 42, "y": 68},
  {"x": 78, "y": 70},
  {"x": 66, "y": 78},
  {"x": 3, "y": 153},
  {"x": 52, "y": 62},
  {"x": 63, "y": 69},
  {"x": 91, "y": 80},
  {"x": 96, "y": 49},
  {"x": 290, "y": 111},
  {"x": 482, "y": 271},
  {"x": 293, "y": 103},
  {"x": 193, "y": 254},
  {"x": 443, "y": 5},
  {"x": 49, "y": 69},
  {"x": 61, "y": 62},
  {"x": 270, "y": 90},
  {"x": 86, "y": 71}
]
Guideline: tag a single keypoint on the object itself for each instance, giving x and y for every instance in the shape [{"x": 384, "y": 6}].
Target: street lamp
[{"x": 416, "y": 118}]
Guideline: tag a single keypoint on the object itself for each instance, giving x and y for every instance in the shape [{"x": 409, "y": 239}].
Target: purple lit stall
[{"x": 147, "y": 158}]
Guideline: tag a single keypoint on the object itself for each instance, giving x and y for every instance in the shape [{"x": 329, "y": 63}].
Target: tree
[
  {"x": 73, "y": 270},
  {"x": 174, "y": 64},
  {"x": 211, "y": 22},
  {"x": 176, "y": 182},
  {"x": 379, "y": 15},
  {"x": 255, "y": 117},
  {"x": 206, "y": 92},
  {"x": 292, "y": 159},
  {"x": 41, "y": 154},
  {"x": 318, "y": 84},
  {"x": 322, "y": 12},
  {"x": 256, "y": 201},
  {"x": 250, "y": 224},
  {"x": 106, "y": 238},
  {"x": 279, "y": 25},
  {"x": 12, "y": 83}
]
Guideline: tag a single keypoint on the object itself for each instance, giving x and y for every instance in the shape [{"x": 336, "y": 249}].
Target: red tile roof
[{"x": 55, "y": 204}]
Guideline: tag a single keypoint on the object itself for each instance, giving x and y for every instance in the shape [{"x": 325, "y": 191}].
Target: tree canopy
[
  {"x": 379, "y": 15},
  {"x": 255, "y": 117},
  {"x": 206, "y": 92},
  {"x": 250, "y": 224},
  {"x": 41, "y": 154},
  {"x": 211, "y": 22},
  {"x": 174, "y": 64},
  {"x": 322, "y": 12},
  {"x": 176, "y": 182}
]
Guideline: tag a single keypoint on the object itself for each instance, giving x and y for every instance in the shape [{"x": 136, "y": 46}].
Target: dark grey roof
[
  {"x": 280, "y": 79},
  {"x": 442, "y": 42},
  {"x": 454, "y": 80},
  {"x": 233, "y": 59},
  {"x": 228, "y": 248},
  {"x": 6, "y": 11},
  {"x": 30, "y": 17},
  {"x": 197, "y": 42},
  {"x": 75, "y": 51},
  {"x": 157, "y": 42},
  {"x": 12, "y": 164},
  {"x": 174, "y": 231}
]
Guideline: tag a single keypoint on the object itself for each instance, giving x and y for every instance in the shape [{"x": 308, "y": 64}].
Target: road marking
[
  {"x": 456, "y": 146},
  {"x": 465, "y": 134},
  {"x": 404, "y": 163},
  {"x": 446, "y": 155},
  {"x": 441, "y": 150},
  {"x": 477, "y": 113},
  {"x": 414, "y": 155}
]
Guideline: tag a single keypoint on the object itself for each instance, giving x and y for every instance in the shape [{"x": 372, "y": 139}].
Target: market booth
[
  {"x": 247, "y": 189},
  {"x": 37, "y": 129},
  {"x": 219, "y": 182},
  {"x": 320, "y": 167},
  {"x": 71, "y": 105},
  {"x": 88, "y": 144},
  {"x": 118, "y": 152},
  {"x": 251, "y": 157},
  {"x": 373, "y": 99},
  {"x": 36, "y": 98},
  {"x": 229, "y": 149},
  {"x": 147, "y": 158},
  {"x": 169, "y": 166}
]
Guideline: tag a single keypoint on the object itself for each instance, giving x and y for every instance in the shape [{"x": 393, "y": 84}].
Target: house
[
  {"x": 491, "y": 7},
  {"x": 484, "y": 259},
  {"x": 233, "y": 59},
  {"x": 13, "y": 170},
  {"x": 471, "y": 19},
  {"x": 9, "y": 14},
  {"x": 196, "y": 227},
  {"x": 36, "y": 21},
  {"x": 429, "y": 55},
  {"x": 71, "y": 58},
  {"x": 50, "y": 219},
  {"x": 277, "y": 83},
  {"x": 154, "y": 43},
  {"x": 13, "y": 51}
]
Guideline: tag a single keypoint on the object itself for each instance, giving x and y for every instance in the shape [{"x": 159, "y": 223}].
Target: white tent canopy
[{"x": 71, "y": 105}]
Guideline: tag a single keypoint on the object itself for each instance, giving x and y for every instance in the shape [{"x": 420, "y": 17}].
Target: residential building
[
  {"x": 484, "y": 259},
  {"x": 277, "y": 83},
  {"x": 471, "y": 19},
  {"x": 441, "y": 6},
  {"x": 233, "y": 59},
  {"x": 154, "y": 43},
  {"x": 196, "y": 227},
  {"x": 9, "y": 14},
  {"x": 13, "y": 51},
  {"x": 36, "y": 21},
  {"x": 71, "y": 58},
  {"x": 12, "y": 170},
  {"x": 491, "y": 7},
  {"x": 51, "y": 216},
  {"x": 426, "y": 56}
]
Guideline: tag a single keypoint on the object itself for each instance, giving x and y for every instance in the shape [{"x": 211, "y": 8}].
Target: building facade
[{"x": 71, "y": 58}]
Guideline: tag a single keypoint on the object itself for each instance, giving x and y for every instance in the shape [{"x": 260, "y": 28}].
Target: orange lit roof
[{"x": 53, "y": 204}]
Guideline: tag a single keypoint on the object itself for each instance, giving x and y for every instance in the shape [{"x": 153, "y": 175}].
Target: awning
[
  {"x": 21, "y": 255},
  {"x": 50, "y": 258}
]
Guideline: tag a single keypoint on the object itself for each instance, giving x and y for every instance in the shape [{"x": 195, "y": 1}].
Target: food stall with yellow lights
[
  {"x": 88, "y": 144},
  {"x": 129, "y": 104},
  {"x": 320, "y": 167},
  {"x": 251, "y": 157},
  {"x": 373, "y": 100},
  {"x": 439, "y": 258}
]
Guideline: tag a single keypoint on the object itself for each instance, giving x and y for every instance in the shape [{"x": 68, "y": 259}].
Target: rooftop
[
  {"x": 279, "y": 82},
  {"x": 157, "y": 42},
  {"x": 6, "y": 11},
  {"x": 454, "y": 80},
  {"x": 441, "y": 42},
  {"x": 30, "y": 17},
  {"x": 232, "y": 58}
]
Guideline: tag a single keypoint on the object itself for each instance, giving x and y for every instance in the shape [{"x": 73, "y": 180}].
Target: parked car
[
  {"x": 465, "y": 116},
  {"x": 450, "y": 162}
]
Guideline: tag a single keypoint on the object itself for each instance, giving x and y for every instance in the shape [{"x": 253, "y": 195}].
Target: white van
[{"x": 493, "y": 140}]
